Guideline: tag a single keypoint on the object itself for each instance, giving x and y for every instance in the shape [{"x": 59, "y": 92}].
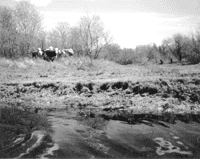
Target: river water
[{"x": 71, "y": 135}]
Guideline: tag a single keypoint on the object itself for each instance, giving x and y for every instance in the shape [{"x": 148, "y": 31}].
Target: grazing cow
[
  {"x": 50, "y": 54},
  {"x": 37, "y": 53},
  {"x": 69, "y": 52},
  {"x": 40, "y": 52},
  {"x": 58, "y": 53},
  {"x": 57, "y": 50}
]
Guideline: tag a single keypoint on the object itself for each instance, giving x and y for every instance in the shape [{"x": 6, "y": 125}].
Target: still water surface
[{"x": 75, "y": 136}]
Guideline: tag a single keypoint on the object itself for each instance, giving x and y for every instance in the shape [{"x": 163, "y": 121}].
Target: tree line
[
  {"x": 22, "y": 31},
  {"x": 177, "y": 48}
]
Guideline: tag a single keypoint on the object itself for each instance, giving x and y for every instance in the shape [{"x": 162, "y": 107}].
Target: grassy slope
[{"x": 75, "y": 70}]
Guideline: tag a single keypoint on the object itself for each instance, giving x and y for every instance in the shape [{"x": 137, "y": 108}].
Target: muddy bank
[{"x": 159, "y": 96}]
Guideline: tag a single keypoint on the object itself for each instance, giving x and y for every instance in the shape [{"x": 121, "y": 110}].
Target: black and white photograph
[{"x": 99, "y": 79}]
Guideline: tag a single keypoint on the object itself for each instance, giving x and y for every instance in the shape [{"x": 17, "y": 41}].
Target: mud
[{"x": 159, "y": 96}]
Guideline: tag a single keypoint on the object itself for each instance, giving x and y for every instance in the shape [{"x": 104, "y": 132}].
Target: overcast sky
[{"x": 131, "y": 22}]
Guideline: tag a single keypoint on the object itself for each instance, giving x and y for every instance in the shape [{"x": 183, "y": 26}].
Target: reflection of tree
[
  {"x": 23, "y": 121},
  {"x": 98, "y": 120}
]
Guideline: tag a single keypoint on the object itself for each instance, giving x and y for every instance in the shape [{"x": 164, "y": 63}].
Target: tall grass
[{"x": 65, "y": 63}]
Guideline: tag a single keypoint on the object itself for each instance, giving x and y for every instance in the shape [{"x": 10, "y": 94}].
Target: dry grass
[
  {"x": 81, "y": 69},
  {"x": 64, "y": 64}
]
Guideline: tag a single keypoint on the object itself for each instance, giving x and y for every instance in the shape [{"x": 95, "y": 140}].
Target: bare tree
[
  {"x": 93, "y": 35},
  {"x": 194, "y": 56},
  {"x": 178, "y": 52},
  {"x": 127, "y": 56},
  {"x": 41, "y": 40},
  {"x": 63, "y": 31},
  {"x": 74, "y": 41},
  {"x": 164, "y": 51},
  {"x": 53, "y": 39},
  {"x": 177, "y": 45},
  {"x": 112, "y": 52},
  {"x": 146, "y": 53},
  {"x": 29, "y": 24},
  {"x": 59, "y": 35},
  {"x": 152, "y": 52},
  {"x": 8, "y": 33}
]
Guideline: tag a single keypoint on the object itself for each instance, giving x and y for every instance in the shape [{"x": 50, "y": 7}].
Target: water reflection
[
  {"x": 147, "y": 132},
  {"x": 20, "y": 130},
  {"x": 166, "y": 147},
  {"x": 92, "y": 133},
  {"x": 95, "y": 121}
]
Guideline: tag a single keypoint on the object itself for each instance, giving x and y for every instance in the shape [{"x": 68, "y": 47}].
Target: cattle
[
  {"x": 40, "y": 52},
  {"x": 69, "y": 52},
  {"x": 37, "y": 53},
  {"x": 51, "y": 54},
  {"x": 59, "y": 53},
  {"x": 57, "y": 50}
]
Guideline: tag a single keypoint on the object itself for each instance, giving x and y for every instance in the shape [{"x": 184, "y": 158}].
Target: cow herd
[{"x": 50, "y": 54}]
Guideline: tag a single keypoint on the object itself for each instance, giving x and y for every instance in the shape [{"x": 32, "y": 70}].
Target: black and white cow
[
  {"x": 59, "y": 53},
  {"x": 51, "y": 54},
  {"x": 38, "y": 53}
]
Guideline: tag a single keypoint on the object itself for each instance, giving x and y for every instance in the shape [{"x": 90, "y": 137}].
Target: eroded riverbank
[{"x": 156, "y": 97}]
